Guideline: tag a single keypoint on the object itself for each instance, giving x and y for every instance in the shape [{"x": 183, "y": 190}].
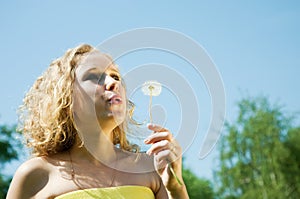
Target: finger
[
  {"x": 158, "y": 146},
  {"x": 156, "y": 137},
  {"x": 165, "y": 145},
  {"x": 164, "y": 157},
  {"x": 160, "y": 160},
  {"x": 156, "y": 128}
]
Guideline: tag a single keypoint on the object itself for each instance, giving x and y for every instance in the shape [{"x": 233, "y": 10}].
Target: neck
[
  {"x": 94, "y": 147},
  {"x": 92, "y": 128}
]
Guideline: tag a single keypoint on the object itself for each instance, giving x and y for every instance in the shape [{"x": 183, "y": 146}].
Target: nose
[{"x": 111, "y": 84}]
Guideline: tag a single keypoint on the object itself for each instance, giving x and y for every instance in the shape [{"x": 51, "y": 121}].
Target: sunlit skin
[
  {"x": 99, "y": 107},
  {"x": 99, "y": 94}
]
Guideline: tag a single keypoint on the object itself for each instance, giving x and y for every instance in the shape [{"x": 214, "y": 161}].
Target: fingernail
[
  {"x": 146, "y": 141},
  {"x": 150, "y": 125}
]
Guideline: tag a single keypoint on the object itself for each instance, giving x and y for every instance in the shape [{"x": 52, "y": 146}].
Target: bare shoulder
[{"x": 31, "y": 177}]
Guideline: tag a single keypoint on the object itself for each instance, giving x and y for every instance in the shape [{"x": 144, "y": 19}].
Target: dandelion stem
[
  {"x": 150, "y": 104},
  {"x": 174, "y": 174},
  {"x": 151, "y": 121}
]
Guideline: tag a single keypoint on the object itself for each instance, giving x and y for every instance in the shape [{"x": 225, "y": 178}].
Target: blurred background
[{"x": 255, "y": 46}]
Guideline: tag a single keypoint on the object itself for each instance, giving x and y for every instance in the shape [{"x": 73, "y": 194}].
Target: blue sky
[{"x": 255, "y": 46}]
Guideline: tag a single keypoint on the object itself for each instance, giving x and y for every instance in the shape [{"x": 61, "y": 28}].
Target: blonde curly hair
[{"x": 46, "y": 117}]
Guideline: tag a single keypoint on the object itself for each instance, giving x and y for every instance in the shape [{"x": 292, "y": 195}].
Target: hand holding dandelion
[{"x": 153, "y": 88}]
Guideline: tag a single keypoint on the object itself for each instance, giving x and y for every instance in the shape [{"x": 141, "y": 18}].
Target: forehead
[{"x": 95, "y": 60}]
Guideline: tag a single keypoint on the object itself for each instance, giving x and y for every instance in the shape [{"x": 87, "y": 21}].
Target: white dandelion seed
[{"x": 151, "y": 88}]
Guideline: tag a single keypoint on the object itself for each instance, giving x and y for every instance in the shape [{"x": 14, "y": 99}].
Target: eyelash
[{"x": 116, "y": 77}]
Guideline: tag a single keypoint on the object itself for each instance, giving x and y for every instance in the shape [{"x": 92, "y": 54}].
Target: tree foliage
[
  {"x": 259, "y": 154},
  {"x": 10, "y": 148},
  {"x": 197, "y": 187}
]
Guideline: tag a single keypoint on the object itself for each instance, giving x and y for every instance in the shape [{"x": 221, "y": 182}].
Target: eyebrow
[
  {"x": 91, "y": 70},
  {"x": 115, "y": 70},
  {"x": 95, "y": 69}
]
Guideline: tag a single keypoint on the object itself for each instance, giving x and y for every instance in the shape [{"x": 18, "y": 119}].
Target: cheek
[
  {"x": 97, "y": 94},
  {"x": 123, "y": 94},
  {"x": 83, "y": 99}
]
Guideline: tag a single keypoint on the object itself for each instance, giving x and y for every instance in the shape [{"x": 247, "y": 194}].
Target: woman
[{"x": 74, "y": 118}]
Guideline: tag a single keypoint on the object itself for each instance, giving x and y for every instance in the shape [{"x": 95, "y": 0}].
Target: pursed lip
[{"x": 114, "y": 99}]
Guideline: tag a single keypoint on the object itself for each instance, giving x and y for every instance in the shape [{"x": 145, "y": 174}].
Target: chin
[
  {"x": 116, "y": 117},
  {"x": 119, "y": 119}
]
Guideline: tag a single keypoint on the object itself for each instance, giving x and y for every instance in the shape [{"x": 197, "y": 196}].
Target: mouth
[{"x": 115, "y": 99}]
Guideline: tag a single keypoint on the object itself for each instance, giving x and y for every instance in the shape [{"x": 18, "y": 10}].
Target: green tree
[
  {"x": 9, "y": 150},
  {"x": 197, "y": 187},
  {"x": 253, "y": 152},
  {"x": 291, "y": 162}
]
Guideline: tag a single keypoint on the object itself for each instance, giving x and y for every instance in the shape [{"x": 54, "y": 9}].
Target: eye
[
  {"x": 92, "y": 77},
  {"x": 116, "y": 77},
  {"x": 95, "y": 77}
]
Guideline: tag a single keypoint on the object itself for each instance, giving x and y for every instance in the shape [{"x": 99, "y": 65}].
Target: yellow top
[{"x": 121, "y": 192}]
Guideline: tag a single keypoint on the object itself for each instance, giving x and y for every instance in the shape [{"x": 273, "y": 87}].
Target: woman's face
[{"x": 99, "y": 94}]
